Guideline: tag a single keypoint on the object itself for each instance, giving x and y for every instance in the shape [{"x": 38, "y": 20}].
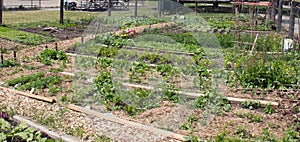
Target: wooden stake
[
  {"x": 254, "y": 44},
  {"x": 15, "y": 55},
  {"x": 2, "y": 59},
  {"x": 56, "y": 46},
  {"x": 82, "y": 39}
]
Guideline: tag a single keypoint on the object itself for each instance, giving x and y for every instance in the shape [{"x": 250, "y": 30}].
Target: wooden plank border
[
  {"x": 126, "y": 122},
  {"x": 54, "y": 135},
  {"x": 41, "y": 98}
]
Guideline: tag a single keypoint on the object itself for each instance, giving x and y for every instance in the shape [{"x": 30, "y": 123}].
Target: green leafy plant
[
  {"x": 20, "y": 132},
  {"x": 9, "y": 63},
  {"x": 213, "y": 99},
  {"x": 137, "y": 71},
  {"x": 267, "y": 136},
  {"x": 254, "y": 118},
  {"x": 251, "y": 104},
  {"x": 24, "y": 79},
  {"x": 269, "y": 109},
  {"x": 49, "y": 54},
  {"x": 191, "y": 138}
]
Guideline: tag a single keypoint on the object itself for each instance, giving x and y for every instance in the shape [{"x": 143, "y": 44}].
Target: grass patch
[
  {"x": 23, "y": 37},
  {"x": 13, "y": 17}
]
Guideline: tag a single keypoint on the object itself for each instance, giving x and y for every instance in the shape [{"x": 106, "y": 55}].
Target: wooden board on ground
[
  {"x": 126, "y": 122},
  {"x": 54, "y": 135}
]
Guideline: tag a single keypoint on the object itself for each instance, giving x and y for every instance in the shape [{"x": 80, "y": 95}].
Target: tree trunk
[
  {"x": 279, "y": 20},
  {"x": 1, "y": 9},
  {"x": 135, "y": 8},
  {"x": 273, "y": 12},
  {"x": 109, "y": 8},
  {"x": 298, "y": 31},
  {"x": 159, "y": 7},
  {"x": 292, "y": 20},
  {"x": 61, "y": 19}
]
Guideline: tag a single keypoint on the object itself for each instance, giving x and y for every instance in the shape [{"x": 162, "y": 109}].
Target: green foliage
[
  {"x": 109, "y": 52},
  {"x": 20, "y": 132},
  {"x": 30, "y": 67},
  {"x": 137, "y": 71},
  {"x": 153, "y": 58},
  {"x": 9, "y": 63},
  {"x": 25, "y": 79},
  {"x": 23, "y": 37},
  {"x": 131, "y": 109},
  {"x": 267, "y": 136},
  {"x": 56, "y": 70},
  {"x": 270, "y": 43},
  {"x": 251, "y": 104},
  {"x": 129, "y": 22},
  {"x": 189, "y": 124},
  {"x": 50, "y": 54},
  {"x": 269, "y": 109},
  {"x": 77, "y": 131},
  {"x": 226, "y": 40},
  {"x": 169, "y": 93},
  {"x": 111, "y": 40},
  {"x": 222, "y": 23},
  {"x": 212, "y": 99},
  {"x": 184, "y": 38},
  {"x": 266, "y": 26},
  {"x": 104, "y": 62},
  {"x": 242, "y": 132},
  {"x": 191, "y": 138},
  {"x": 290, "y": 135},
  {"x": 263, "y": 71},
  {"x": 37, "y": 81},
  {"x": 166, "y": 70},
  {"x": 106, "y": 90},
  {"x": 254, "y": 118},
  {"x": 43, "y": 83},
  {"x": 142, "y": 93}
]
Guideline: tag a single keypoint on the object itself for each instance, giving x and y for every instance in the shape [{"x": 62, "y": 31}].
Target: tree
[
  {"x": 135, "y": 8},
  {"x": 61, "y": 19},
  {"x": 273, "y": 10},
  {"x": 292, "y": 20},
  {"x": 279, "y": 20},
  {"x": 1, "y": 9},
  {"x": 109, "y": 8}
]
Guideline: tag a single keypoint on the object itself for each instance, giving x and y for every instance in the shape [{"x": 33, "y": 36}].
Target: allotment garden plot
[{"x": 207, "y": 80}]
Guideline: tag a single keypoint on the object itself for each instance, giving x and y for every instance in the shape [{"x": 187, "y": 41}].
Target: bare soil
[{"x": 61, "y": 34}]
